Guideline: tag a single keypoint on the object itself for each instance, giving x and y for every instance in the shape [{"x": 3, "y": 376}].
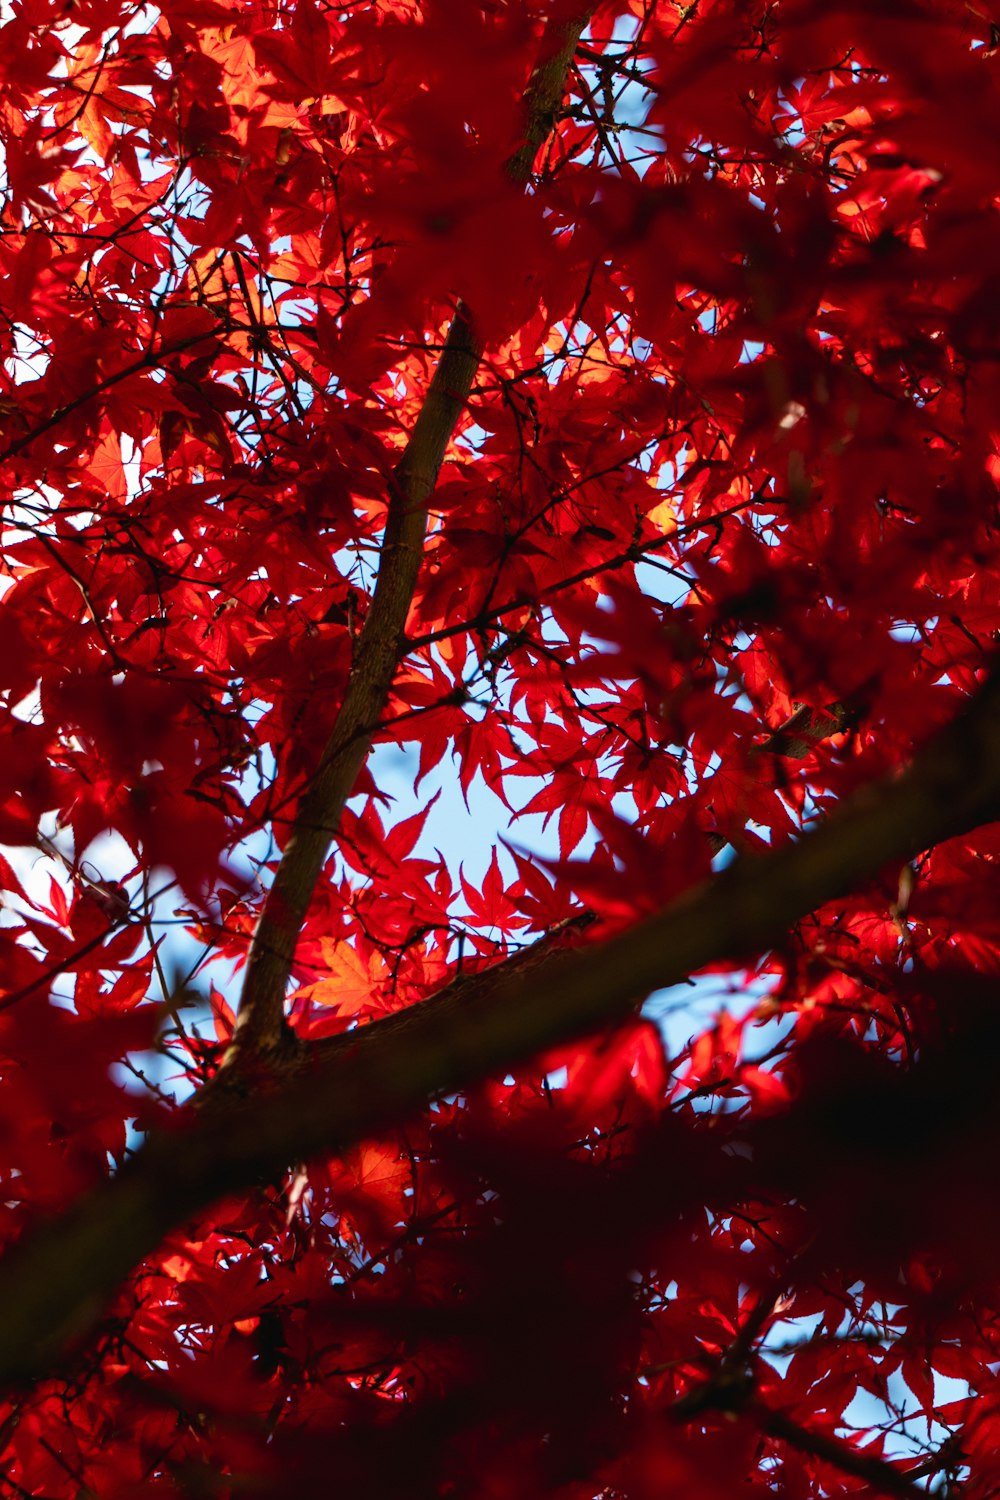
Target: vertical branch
[
  {"x": 261, "y": 1016},
  {"x": 261, "y": 1025}
]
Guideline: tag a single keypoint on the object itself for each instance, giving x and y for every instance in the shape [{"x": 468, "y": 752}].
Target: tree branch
[
  {"x": 54, "y": 1285},
  {"x": 261, "y": 1025},
  {"x": 730, "y": 1389},
  {"x": 261, "y": 1028}
]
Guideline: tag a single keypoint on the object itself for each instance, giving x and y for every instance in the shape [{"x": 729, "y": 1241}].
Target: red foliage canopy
[{"x": 592, "y": 411}]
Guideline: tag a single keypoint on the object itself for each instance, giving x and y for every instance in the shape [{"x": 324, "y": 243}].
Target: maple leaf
[
  {"x": 591, "y": 410},
  {"x": 351, "y": 983}
]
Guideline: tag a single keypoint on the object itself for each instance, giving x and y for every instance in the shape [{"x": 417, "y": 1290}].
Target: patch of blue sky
[
  {"x": 896, "y": 1413},
  {"x": 907, "y": 1432}
]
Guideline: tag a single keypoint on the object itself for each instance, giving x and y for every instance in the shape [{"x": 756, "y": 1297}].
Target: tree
[{"x": 599, "y": 402}]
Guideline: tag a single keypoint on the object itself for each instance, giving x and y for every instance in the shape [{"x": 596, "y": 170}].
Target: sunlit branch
[{"x": 261, "y": 1024}]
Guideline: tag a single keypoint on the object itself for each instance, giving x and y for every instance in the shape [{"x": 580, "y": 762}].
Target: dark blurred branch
[{"x": 832, "y": 1450}]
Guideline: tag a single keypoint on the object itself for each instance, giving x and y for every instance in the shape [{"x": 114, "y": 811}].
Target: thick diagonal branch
[
  {"x": 261, "y": 1026},
  {"x": 54, "y": 1285}
]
